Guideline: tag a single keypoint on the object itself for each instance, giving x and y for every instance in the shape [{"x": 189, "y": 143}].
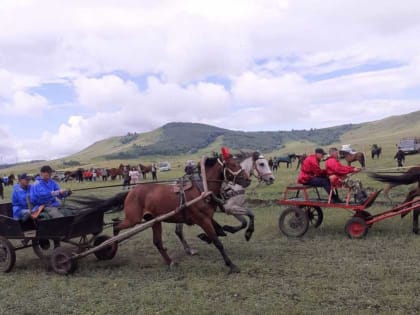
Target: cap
[
  {"x": 320, "y": 151},
  {"x": 24, "y": 176},
  {"x": 46, "y": 169}
]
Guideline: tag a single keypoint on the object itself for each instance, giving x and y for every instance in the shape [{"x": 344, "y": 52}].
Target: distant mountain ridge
[{"x": 187, "y": 138}]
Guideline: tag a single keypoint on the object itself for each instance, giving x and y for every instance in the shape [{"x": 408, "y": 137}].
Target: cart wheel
[
  {"x": 7, "y": 255},
  {"x": 356, "y": 227},
  {"x": 43, "y": 248},
  {"x": 108, "y": 252},
  {"x": 61, "y": 261},
  {"x": 293, "y": 222},
  {"x": 364, "y": 215},
  {"x": 315, "y": 215}
]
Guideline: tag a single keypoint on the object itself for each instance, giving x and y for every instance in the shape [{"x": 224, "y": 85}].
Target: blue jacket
[
  {"x": 45, "y": 193},
  {"x": 19, "y": 201}
]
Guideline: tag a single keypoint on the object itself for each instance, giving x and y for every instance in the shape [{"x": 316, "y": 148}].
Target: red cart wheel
[
  {"x": 7, "y": 255},
  {"x": 315, "y": 215},
  {"x": 356, "y": 227},
  {"x": 293, "y": 222}
]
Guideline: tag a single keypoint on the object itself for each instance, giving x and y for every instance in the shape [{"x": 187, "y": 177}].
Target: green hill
[{"x": 192, "y": 139}]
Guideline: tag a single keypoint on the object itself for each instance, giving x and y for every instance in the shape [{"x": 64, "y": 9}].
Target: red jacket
[
  {"x": 334, "y": 167},
  {"x": 310, "y": 168}
]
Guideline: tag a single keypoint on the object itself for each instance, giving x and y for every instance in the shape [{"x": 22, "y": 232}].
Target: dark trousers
[{"x": 320, "y": 182}]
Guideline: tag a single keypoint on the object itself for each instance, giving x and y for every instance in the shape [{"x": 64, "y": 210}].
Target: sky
[{"x": 75, "y": 72}]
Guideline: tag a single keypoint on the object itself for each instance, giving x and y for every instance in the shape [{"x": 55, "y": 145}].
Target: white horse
[{"x": 255, "y": 165}]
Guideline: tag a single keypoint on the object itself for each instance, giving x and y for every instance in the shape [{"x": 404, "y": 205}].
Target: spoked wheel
[
  {"x": 293, "y": 222},
  {"x": 43, "y": 248},
  {"x": 356, "y": 227},
  {"x": 7, "y": 255},
  {"x": 315, "y": 215},
  {"x": 61, "y": 261},
  {"x": 108, "y": 252}
]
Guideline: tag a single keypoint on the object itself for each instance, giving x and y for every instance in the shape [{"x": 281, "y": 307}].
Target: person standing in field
[
  {"x": 400, "y": 157},
  {"x": 134, "y": 176}
]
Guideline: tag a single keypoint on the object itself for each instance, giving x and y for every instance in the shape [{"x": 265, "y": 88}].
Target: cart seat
[{"x": 299, "y": 186}]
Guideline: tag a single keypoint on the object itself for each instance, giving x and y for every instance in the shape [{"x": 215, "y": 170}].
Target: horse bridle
[
  {"x": 235, "y": 174},
  {"x": 260, "y": 175}
]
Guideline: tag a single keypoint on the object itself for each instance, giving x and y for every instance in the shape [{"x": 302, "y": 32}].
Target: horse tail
[
  {"x": 93, "y": 204},
  {"x": 404, "y": 179}
]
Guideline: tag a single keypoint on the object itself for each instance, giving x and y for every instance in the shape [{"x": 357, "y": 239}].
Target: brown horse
[
  {"x": 352, "y": 157},
  {"x": 114, "y": 172},
  {"x": 411, "y": 176},
  {"x": 301, "y": 158},
  {"x": 144, "y": 169},
  {"x": 148, "y": 201}
]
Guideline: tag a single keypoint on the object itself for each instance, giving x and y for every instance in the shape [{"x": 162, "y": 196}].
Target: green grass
[{"x": 323, "y": 272}]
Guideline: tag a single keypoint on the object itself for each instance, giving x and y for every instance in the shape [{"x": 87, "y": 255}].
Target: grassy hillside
[{"x": 177, "y": 142}]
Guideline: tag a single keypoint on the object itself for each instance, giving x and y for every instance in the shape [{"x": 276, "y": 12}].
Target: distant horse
[
  {"x": 11, "y": 179},
  {"x": 288, "y": 159},
  {"x": 255, "y": 165},
  {"x": 144, "y": 169},
  {"x": 411, "y": 176},
  {"x": 375, "y": 151},
  {"x": 114, "y": 172},
  {"x": 352, "y": 157},
  {"x": 300, "y": 158}
]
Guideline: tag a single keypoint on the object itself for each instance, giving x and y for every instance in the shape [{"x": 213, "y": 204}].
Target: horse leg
[
  {"x": 250, "y": 230},
  {"x": 208, "y": 228},
  {"x": 157, "y": 241},
  {"x": 234, "y": 229},
  {"x": 387, "y": 188},
  {"x": 179, "y": 231},
  {"x": 416, "y": 214}
]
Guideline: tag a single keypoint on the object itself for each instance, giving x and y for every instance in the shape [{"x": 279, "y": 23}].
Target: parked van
[
  {"x": 410, "y": 145},
  {"x": 164, "y": 166}
]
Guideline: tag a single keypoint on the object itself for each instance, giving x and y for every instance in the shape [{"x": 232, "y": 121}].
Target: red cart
[{"x": 304, "y": 208}]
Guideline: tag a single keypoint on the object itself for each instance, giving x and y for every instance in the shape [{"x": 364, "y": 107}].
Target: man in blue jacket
[
  {"x": 45, "y": 194},
  {"x": 20, "y": 198}
]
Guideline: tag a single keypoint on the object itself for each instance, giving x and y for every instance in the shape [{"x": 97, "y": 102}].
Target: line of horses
[{"x": 107, "y": 173}]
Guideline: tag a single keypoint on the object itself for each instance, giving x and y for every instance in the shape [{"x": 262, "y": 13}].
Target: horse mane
[
  {"x": 210, "y": 161},
  {"x": 240, "y": 157}
]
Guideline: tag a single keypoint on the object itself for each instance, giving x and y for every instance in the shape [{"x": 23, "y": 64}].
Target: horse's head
[
  {"x": 227, "y": 168},
  {"x": 258, "y": 166}
]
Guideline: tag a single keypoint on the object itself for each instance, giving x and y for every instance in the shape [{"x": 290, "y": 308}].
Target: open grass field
[{"x": 324, "y": 272}]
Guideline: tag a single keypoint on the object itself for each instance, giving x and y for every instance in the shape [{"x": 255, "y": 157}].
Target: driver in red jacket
[
  {"x": 335, "y": 170},
  {"x": 311, "y": 173}
]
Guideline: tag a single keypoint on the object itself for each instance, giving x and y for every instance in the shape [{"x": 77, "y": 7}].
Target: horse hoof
[
  {"x": 415, "y": 230},
  {"x": 192, "y": 252},
  {"x": 234, "y": 269},
  {"x": 248, "y": 235}
]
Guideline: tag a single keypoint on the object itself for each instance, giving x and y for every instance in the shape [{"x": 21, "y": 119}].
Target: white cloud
[{"x": 268, "y": 54}]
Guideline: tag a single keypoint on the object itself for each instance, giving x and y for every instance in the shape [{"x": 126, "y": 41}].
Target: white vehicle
[
  {"x": 164, "y": 166},
  {"x": 347, "y": 148}
]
